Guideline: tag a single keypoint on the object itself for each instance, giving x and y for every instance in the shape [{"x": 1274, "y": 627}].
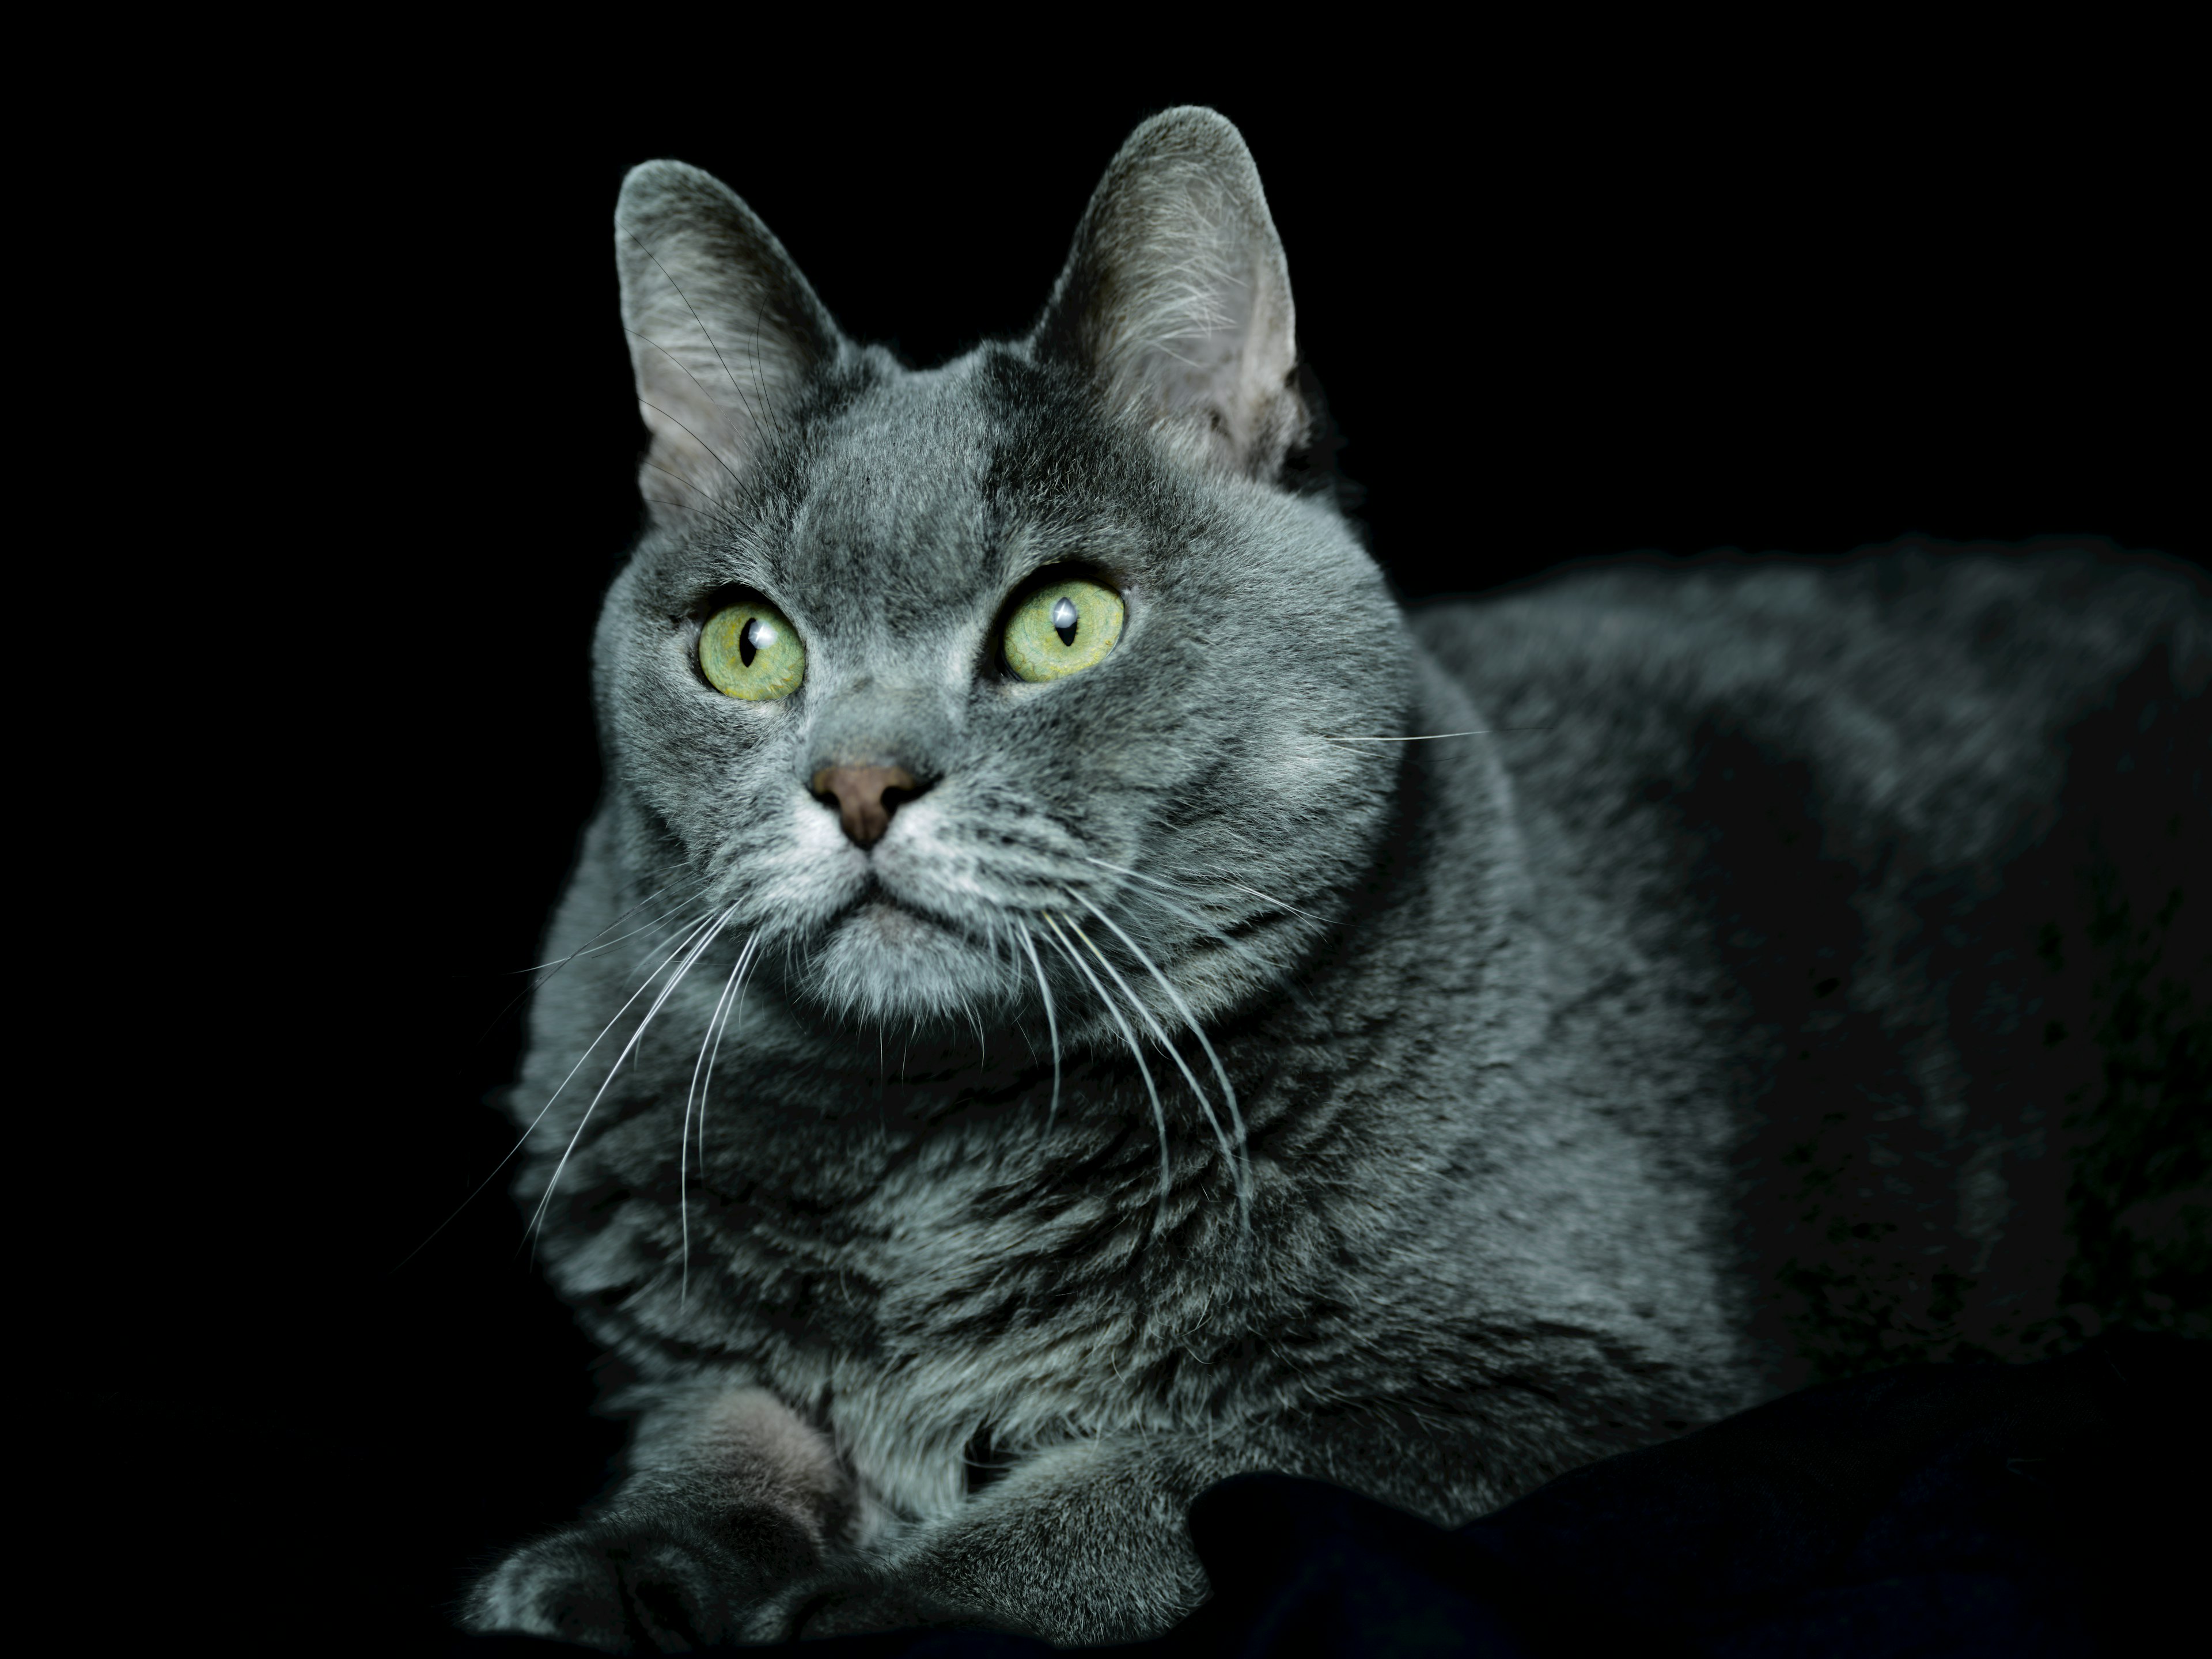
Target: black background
[{"x": 1561, "y": 310}]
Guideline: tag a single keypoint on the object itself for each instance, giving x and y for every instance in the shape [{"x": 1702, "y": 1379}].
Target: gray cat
[{"x": 1072, "y": 994}]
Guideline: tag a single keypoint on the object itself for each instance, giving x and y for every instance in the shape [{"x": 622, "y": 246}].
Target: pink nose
[{"x": 865, "y": 797}]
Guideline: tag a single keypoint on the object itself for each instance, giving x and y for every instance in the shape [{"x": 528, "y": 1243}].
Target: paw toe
[{"x": 637, "y": 1590}]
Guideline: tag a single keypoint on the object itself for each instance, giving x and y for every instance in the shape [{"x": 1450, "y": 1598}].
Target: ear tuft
[
  {"x": 723, "y": 330},
  {"x": 1176, "y": 296}
]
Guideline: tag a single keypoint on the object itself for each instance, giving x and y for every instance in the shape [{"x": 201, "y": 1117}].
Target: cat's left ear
[{"x": 1176, "y": 297}]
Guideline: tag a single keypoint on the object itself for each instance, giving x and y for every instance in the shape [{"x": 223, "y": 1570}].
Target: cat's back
[
  {"x": 1929, "y": 693},
  {"x": 1816, "y": 839}
]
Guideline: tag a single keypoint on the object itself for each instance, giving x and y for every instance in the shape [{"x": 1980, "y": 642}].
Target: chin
[{"x": 887, "y": 966}]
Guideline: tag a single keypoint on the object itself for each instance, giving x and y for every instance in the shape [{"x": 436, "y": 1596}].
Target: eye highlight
[
  {"x": 1062, "y": 629},
  {"x": 751, "y": 650}
]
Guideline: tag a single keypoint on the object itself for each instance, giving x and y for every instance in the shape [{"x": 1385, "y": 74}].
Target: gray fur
[{"x": 882, "y": 1181}]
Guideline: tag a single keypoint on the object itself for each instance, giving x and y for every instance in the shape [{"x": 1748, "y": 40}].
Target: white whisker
[
  {"x": 1051, "y": 1019},
  {"x": 1180, "y": 887},
  {"x": 1260, "y": 963},
  {"x": 590, "y": 947},
  {"x": 1239, "y": 1164},
  {"x": 684, "y": 1134},
  {"x": 537, "y": 1217},
  {"x": 1136, "y": 1053},
  {"x": 737, "y": 1011},
  {"x": 531, "y": 1126},
  {"x": 1160, "y": 1036},
  {"x": 1430, "y": 737}
]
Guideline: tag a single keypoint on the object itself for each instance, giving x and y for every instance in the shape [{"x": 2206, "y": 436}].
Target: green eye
[
  {"x": 1062, "y": 629},
  {"x": 751, "y": 651}
]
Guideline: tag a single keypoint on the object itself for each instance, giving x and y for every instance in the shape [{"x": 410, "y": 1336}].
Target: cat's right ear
[
  {"x": 723, "y": 330},
  {"x": 1175, "y": 299}
]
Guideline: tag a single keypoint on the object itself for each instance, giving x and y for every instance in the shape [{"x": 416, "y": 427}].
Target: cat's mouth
[
  {"x": 879, "y": 916},
  {"x": 885, "y": 958}
]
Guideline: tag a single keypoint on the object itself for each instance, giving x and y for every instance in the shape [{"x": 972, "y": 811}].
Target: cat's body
[{"x": 974, "y": 1283}]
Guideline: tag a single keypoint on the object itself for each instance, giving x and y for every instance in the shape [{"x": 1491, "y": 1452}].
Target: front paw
[{"x": 630, "y": 1583}]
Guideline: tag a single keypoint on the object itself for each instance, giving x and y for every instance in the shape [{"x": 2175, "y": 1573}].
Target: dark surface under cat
[{"x": 2047, "y": 1509}]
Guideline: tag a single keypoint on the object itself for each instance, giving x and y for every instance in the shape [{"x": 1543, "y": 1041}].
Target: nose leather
[{"x": 865, "y": 798}]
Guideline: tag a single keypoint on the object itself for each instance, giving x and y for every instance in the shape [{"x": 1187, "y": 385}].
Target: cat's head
[{"x": 1026, "y": 668}]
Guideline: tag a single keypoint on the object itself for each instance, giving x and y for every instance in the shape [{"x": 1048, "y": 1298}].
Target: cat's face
[{"x": 1167, "y": 802}]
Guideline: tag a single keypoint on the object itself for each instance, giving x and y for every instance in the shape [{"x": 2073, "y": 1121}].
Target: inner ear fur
[
  {"x": 723, "y": 330},
  {"x": 1176, "y": 298}
]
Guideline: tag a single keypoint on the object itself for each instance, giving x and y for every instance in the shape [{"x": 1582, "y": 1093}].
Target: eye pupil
[
  {"x": 1064, "y": 620},
  {"x": 755, "y": 637}
]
